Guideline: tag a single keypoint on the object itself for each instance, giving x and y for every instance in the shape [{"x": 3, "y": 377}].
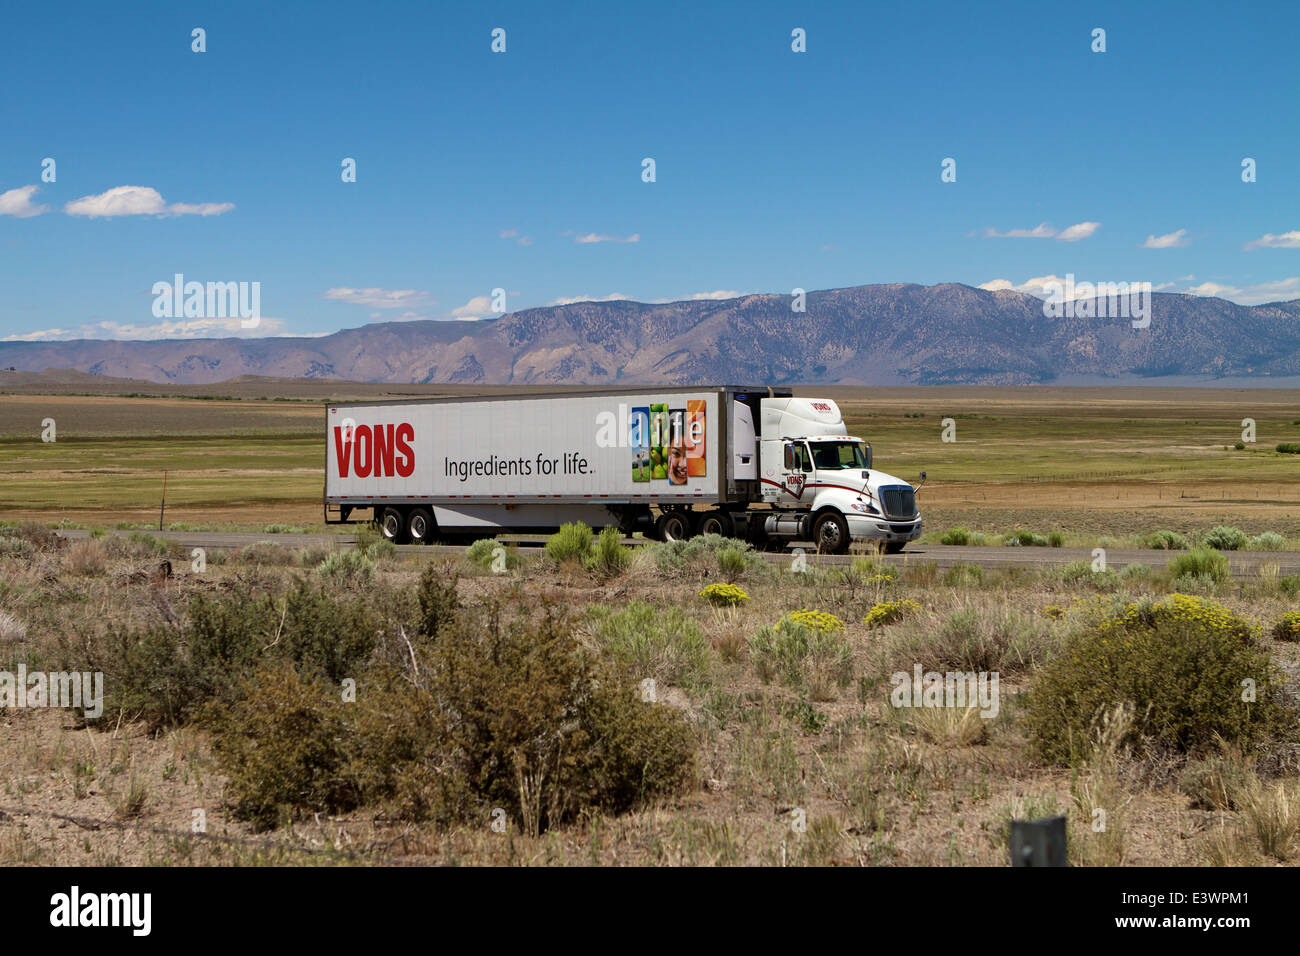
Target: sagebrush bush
[
  {"x": 382, "y": 550},
  {"x": 572, "y": 541},
  {"x": 1224, "y": 538},
  {"x": 165, "y": 674},
  {"x": 962, "y": 575},
  {"x": 699, "y": 555},
  {"x": 1180, "y": 661},
  {"x": 15, "y": 547},
  {"x": 147, "y": 545},
  {"x": 1266, "y": 541},
  {"x": 438, "y": 599},
  {"x": 648, "y": 641},
  {"x": 1077, "y": 573},
  {"x": 271, "y": 554},
  {"x": 959, "y": 536},
  {"x": 281, "y": 746},
  {"x": 525, "y": 721},
  {"x": 489, "y": 553},
  {"x": 732, "y": 564},
  {"x": 1200, "y": 563},
  {"x": 818, "y": 661},
  {"x": 498, "y": 710},
  {"x": 349, "y": 567},
  {"x": 609, "y": 558},
  {"x": 980, "y": 636},
  {"x": 1166, "y": 541},
  {"x": 1025, "y": 539}
]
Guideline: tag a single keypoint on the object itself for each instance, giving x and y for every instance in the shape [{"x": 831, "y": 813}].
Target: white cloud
[
  {"x": 18, "y": 203},
  {"x": 514, "y": 234},
  {"x": 166, "y": 329},
  {"x": 1169, "y": 240},
  {"x": 1080, "y": 230},
  {"x": 380, "y": 298},
  {"x": 570, "y": 300},
  {"x": 139, "y": 201},
  {"x": 697, "y": 296},
  {"x": 200, "y": 209},
  {"x": 594, "y": 237},
  {"x": 718, "y": 294},
  {"x": 1040, "y": 231},
  {"x": 1035, "y": 286},
  {"x": 476, "y": 308},
  {"x": 1287, "y": 240},
  {"x": 44, "y": 335},
  {"x": 1280, "y": 290}
]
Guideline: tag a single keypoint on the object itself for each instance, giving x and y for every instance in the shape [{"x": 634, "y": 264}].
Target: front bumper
[{"x": 867, "y": 528}]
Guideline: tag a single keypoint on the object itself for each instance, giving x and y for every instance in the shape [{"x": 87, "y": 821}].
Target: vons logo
[
  {"x": 383, "y": 451},
  {"x": 821, "y": 407}
]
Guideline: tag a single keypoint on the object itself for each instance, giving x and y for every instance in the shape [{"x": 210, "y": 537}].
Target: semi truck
[{"x": 756, "y": 463}]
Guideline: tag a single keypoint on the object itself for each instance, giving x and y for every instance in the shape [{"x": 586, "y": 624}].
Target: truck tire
[
  {"x": 717, "y": 522},
  {"x": 894, "y": 547},
  {"x": 673, "y": 526},
  {"x": 392, "y": 525},
  {"x": 419, "y": 526},
  {"x": 831, "y": 533}
]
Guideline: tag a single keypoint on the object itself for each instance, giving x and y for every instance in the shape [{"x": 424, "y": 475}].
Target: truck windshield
[{"x": 840, "y": 454}]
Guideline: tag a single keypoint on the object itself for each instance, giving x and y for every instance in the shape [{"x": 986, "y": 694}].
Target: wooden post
[{"x": 163, "y": 507}]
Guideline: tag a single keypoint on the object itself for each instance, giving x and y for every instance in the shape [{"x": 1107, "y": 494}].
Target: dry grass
[{"x": 876, "y": 786}]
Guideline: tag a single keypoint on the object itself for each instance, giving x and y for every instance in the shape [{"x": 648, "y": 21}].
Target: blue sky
[{"x": 522, "y": 170}]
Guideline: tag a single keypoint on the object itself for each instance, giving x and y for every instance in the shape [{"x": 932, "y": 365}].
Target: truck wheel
[
  {"x": 831, "y": 533},
  {"x": 392, "y": 526},
  {"x": 717, "y": 522},
  {"x": 673, "y": 526},
  {"x": 419, "y": 526}
]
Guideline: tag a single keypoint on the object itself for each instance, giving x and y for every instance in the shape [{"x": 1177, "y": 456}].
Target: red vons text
[{"x": 382, "y": 450}]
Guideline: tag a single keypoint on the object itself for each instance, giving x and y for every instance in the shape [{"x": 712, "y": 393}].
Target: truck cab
[{"x": 823, "y": 481}]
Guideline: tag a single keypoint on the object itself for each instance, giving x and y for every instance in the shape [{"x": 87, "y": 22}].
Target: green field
[{"x": 1071, "y": 458}]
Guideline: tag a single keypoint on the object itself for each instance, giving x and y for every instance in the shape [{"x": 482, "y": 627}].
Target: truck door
[{"x": 796, "y": 466}]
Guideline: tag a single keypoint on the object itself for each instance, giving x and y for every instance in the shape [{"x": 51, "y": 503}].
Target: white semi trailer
[{"x": 752, "y": 463}]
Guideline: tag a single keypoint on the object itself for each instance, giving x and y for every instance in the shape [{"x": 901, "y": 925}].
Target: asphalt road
[{"x": 1242, "y": 563}]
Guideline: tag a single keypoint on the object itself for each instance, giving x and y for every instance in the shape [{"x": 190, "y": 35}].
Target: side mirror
[{"x": 923, "y": 476}]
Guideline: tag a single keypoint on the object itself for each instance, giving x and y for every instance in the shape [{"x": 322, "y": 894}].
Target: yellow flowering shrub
[
  {"x": 887, "y": 612},
  {"x": 817, "y": 620},
  {"x": 723, "y": 595},
  {"x": 1287, "y": 627},
  {"x": 1193, "y": 669}
]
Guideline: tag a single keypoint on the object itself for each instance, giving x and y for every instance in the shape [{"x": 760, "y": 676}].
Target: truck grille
[{"x": 899, "y": 501}]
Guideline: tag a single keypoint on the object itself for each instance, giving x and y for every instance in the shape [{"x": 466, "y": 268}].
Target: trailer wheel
[
  {"x": 831, "y": 533},
  {"x": 673, "y": 526},
  {"x": 717, "y": 522},
  {"x": 419, "y": 526},
  {"x": 392, "y": 526}
]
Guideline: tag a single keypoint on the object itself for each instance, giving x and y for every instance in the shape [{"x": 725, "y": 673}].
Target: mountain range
[{"x": 947, "y": 334}]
